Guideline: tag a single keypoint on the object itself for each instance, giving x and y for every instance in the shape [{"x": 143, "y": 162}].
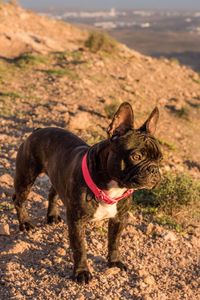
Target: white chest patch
[
  {"x": 114, "y": 190},
  {"x": 106, "y": 211}
]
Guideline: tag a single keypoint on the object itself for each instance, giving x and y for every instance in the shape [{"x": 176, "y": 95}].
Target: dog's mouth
[{"x": 138, "y": 182}]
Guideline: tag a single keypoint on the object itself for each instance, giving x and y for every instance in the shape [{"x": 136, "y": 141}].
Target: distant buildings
[
  {"x": 92, "y": 14},
  {"x": 138, "y": 19}
]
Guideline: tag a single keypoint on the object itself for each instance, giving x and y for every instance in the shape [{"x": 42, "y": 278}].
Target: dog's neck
[
  {"x": 113, "y": 190},
  {"x": 97, "y": 164}
]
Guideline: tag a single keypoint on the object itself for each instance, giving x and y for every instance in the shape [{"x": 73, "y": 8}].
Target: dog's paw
[
  {"x": 118, "y": 264},
  {"x": 26, "y": 226},
  {"x": 53, "y": 219},
  {"x": 83, "y": 277}
]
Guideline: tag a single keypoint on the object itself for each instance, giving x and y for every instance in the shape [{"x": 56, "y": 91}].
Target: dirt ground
[{"x": 70, "y": 87}]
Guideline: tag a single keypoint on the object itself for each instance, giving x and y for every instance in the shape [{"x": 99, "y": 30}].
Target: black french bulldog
[{"x": 128, "y": 159}]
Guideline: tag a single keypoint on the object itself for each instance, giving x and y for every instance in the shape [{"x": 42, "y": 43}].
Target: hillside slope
[
  {"x": 22, "y": 31},
  {"x": 49, "y": 77},
  {"x": 142, "y": 80}
]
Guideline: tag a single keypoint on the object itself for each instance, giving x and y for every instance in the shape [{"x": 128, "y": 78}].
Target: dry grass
[
  {"x": 100, "y": 41},
  {"x": 177, "y": 199}
]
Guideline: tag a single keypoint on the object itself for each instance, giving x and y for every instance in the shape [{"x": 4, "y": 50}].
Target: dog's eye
[{"x": 136, "y": 156}]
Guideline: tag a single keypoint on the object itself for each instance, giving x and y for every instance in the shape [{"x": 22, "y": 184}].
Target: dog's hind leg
[
  {"x": 53, "y": 212},
  {"x": 26, "y": 172}
]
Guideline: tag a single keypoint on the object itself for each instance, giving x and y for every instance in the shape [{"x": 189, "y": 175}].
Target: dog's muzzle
[{"x": 148, "y": 176}]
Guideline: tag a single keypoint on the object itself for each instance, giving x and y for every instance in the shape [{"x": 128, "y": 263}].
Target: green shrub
[
  {"x": 7, "y": 100},
  {"x": 29, "y": 59},
  {"x": 182, "y": 113},
  {"x": 62, "y": 72},
  {"x": 12, "y": 95},
  {"x": 169, "y": 145},
  {"x": 74, "y": 56},
  {"x": 60, "y": 55},
  {"x": 173, "y": 192},
  {"x": 100, "y": 41},
  {"x": 175, "y": 61}
]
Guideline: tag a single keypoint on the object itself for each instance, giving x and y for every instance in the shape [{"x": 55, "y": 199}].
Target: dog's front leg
[
  {"x": 76, "y": 228},
  {"x": 115, "y": 227}
]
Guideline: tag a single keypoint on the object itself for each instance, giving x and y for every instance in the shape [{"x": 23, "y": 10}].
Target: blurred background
[{"x": 152, "y": 27}]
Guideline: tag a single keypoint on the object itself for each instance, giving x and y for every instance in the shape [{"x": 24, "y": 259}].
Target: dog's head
[{"x": 134, "y": 156}]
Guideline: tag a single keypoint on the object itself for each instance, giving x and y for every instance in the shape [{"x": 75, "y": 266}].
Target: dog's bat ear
[
  {"x": 150, "y": 125},
  {"x": 122, "y": 120}
]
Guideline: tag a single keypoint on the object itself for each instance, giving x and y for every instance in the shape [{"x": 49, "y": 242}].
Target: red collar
[{"x": 100, "y": 194}]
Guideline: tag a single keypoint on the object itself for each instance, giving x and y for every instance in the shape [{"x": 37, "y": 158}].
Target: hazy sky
[{"x": 103, "y": 4}]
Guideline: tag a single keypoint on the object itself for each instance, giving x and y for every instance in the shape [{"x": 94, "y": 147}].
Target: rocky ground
[
  {"x": 38, "y": 265},
  {"x": 69, "y": 86}
]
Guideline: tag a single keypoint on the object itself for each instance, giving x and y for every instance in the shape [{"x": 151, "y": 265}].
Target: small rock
[
  {"x": 6, "y": 179},
  {"x": 167, "y": 168},
  {"x": 162, "y": 101},
  {"x": 112, "y": 271},
  {"x": 142, "y": 273},
  {"x": 158, "y": 229},
  {"x": 3, "y": 195},
  {"x": 17, "y": 295},
  {"x": 80, "y": 297},
  {"x": 57, "y": 260},
  {"x": 19, "y": 247},
  {"x": 99, "y": 246},
  {"x": 82, "y": 120},
  {"x": 61, "y": 251},
  {"x": 100, "y": 64},
  {"x": 4, "y": 229},
  {"x": 88, "y": 295},
  {"x": 35, "y": 196},
  {"x": 65, "y": 116},
  {"x": 13, "y": 154},
  {"x": 195, "y": 241},
  {"x": 143, "y": 285},
  {"x": 131, "y": 217},
  {"x": 149, "y": 280},
  {"x": 61, "y": 108},
  {"x": 149, "y": 228},
  {"x": 170, "y": 236},
  {"x": 29, "y": 292},
  {"x": 146, "y": 297},
  {"x": 86, "y": 82}
]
